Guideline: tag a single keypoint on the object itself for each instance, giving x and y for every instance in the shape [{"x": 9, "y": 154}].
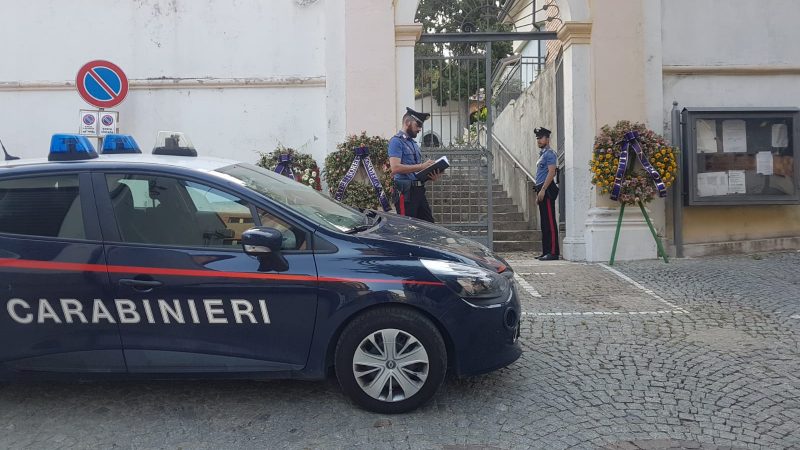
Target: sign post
[{"x": 101, "y": 84}]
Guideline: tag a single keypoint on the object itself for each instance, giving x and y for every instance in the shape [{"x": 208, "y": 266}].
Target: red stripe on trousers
[
  {"x": 552, "y": 227},
  {"x": 402, "y": 205}
]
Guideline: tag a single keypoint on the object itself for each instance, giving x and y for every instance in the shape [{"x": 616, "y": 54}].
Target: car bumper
[{"x": 486, "y": 338}]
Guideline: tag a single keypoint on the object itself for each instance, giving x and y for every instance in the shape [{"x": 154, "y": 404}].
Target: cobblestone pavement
[{"x": 697, "y": 353}]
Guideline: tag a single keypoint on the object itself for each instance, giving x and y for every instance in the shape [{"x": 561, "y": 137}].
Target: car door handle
[{"x": 140, "y": 285}]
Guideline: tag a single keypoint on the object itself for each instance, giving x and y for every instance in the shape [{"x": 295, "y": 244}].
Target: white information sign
[
  {"x": 88, "y": 123},
  {"x": 108, "y": 122}
]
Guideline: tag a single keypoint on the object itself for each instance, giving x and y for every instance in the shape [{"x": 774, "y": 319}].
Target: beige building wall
[
  {"x": 746, "y": 63},
  {"x": 635, "y": 60}
]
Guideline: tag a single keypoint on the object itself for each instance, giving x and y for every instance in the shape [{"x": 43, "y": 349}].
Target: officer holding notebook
[{"x": 405, "y": 160}]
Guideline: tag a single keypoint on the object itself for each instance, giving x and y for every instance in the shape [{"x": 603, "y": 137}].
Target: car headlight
[{"x": 469, "y": 282}]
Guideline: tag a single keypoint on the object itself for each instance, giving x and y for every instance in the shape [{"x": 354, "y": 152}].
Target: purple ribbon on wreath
[
  {"x": 362, "y": 157},
  {"x": 631, "y": 140},
  {"x": 285, "y": 165}
]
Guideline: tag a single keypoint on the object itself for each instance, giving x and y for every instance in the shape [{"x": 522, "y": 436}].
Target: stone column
[
  {"x": 405, "y": 37},
  {"x": 335, "y": 76},
  {"x": 579, "y": 133}
]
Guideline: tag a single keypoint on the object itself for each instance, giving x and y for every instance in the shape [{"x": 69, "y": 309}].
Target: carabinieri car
[{"x": 171, "y": 265}]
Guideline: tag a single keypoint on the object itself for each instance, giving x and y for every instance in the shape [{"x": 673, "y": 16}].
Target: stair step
[
  {"x": 464, "y": 209},
  {"x": 466, "y": 201},
  {"x": 463, "y": 191},
  {"x": 470, "y": 218},
  {"x": 516, "y": 235},
  {"x": 512, "y": 226},
  {"x": 518, "y": 246},
  {"x": 461, "y": 187}
]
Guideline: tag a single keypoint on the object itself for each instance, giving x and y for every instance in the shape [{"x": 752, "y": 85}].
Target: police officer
[
  {"x": 547, "y": 192},
  {"x": 405, "y": 159}
]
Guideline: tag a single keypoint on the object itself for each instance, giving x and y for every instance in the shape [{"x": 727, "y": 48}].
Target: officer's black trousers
[
  {"x": 415, "y": 204},
  {"x": 548, "y": 221}
]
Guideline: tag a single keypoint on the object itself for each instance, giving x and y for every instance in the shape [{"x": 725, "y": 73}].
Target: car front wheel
[{"x": 390, "y": 360}]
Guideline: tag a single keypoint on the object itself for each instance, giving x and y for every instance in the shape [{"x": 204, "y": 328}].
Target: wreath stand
[{"x": 661, "y": 252}]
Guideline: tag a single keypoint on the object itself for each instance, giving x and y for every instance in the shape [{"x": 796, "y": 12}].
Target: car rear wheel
[{"x": 390, "y": 360}]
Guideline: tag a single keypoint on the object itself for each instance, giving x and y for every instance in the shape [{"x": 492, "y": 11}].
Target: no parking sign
[{"x": 102, "y": 84}]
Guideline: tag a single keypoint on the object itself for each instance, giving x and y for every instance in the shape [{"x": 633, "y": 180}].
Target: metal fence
[{"x": 514, "y": 78}]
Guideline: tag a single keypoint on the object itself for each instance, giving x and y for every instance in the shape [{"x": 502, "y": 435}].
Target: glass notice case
[{"x": 740, "y": 156}]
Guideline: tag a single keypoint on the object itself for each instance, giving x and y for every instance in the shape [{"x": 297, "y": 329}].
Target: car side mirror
[{"x": 262, "y": 241}]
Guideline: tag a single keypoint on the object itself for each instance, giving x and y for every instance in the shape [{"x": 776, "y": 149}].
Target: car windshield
[{"x": 302, "y": 199}]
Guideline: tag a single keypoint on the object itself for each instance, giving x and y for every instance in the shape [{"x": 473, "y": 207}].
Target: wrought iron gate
[
  {"x": 455, "y": 87},
  {"x": 455, "y": 91}
]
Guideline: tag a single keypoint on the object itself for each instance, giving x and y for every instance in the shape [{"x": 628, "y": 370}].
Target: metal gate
[{"x": 454, "y": 90}]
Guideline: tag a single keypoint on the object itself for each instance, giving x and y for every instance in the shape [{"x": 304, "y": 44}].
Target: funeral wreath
[
  {"x": 287, "y": 161},
  {"x": 632, "y": 163},
  {"x": 359, "y": 193}
]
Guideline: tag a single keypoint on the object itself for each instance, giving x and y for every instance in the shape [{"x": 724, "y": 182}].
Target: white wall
[
  {"x": 746, "y": 34},
  {"x": 730, "y": 32},
  {"x": 271, "y": 55}
]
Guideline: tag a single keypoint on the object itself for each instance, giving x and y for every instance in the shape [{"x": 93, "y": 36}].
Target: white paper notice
[
  {"x": 706, "y": 136},
  {"x": 780, "y": 135},
  {"x": 712, "y": 183},
  {"x": 734, "y": 136},
  {"x": 736, "y": 182},
  {"x": 764, "y": 163}
]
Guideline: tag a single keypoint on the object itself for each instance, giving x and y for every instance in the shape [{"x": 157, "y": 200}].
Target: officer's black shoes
[
  {"x": 549, "y": 257},
  {"x": 540, "y": 256}
]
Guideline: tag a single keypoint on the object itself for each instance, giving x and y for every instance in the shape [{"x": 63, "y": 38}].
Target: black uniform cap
[
  {"x": 419, "y": 116},
  {"x": 541, "y": 132}
]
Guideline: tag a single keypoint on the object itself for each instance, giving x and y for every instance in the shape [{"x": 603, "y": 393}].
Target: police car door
[
  {"x": 195, "y": 301},
  {"x": 57, "y": 315}
]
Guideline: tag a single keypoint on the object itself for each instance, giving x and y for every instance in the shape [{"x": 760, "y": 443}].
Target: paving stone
[{"x": 709, "y": 357}]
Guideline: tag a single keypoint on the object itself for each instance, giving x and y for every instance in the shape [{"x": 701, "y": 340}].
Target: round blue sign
[{"x": 102, "y": 84}]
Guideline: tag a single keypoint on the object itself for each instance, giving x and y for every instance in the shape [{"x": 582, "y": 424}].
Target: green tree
[{"x": 455, "y": 79}]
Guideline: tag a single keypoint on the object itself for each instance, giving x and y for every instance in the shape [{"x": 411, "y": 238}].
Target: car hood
[{"x": 425, "y": 236}]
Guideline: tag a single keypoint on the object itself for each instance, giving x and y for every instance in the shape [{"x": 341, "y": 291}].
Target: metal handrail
[
  {"x": 517, "y": 164},
  {"x": 509, "y": 75}
]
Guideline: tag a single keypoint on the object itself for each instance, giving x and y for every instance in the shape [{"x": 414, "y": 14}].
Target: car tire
[{"x": 386, "y": 378}]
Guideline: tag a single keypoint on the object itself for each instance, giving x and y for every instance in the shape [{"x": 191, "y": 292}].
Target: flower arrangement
[
  {"x": 359, "y": 194},
  {"x": 311, "y": 177},
  {"x": 637, "y": 185},
  {"x": 305, "y": 169}
]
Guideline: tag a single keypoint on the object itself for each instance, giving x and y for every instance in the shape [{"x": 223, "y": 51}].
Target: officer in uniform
[
  {"x": 405, "y": 159},
  {"x": 547, "y": 193}
]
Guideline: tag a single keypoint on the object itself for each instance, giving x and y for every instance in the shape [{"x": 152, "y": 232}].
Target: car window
[
  {"x": 42, "y": 206},
  {"x": 300, "y": 198},
  {"x": 171, "y": 211},
  {"x": 293, "y": 238}
]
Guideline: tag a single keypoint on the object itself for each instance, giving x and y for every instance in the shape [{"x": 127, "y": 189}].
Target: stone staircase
[{"x": 459, "y": 202}]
